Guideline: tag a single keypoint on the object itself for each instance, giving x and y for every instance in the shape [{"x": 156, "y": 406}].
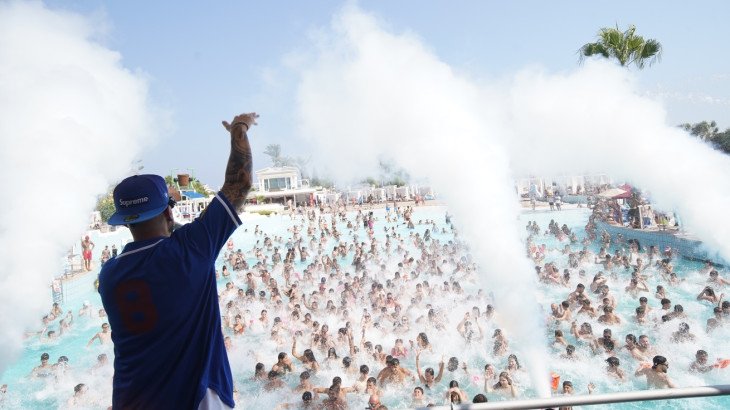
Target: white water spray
[
  {"x": 73, "y": 119},
  {"x": 370, "y": 93}
]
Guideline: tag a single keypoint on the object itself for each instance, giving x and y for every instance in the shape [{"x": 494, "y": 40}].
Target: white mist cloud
[
  {"x": 369, "y": 93},
  {"x": 595, "y": 120},
  {"x": 366, "y": 92},
  {"x": 73, "y": 119}
]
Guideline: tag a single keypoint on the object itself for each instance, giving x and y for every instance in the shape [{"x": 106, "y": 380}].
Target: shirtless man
[
  {"x": 44, "y": 369},
  {"x": 682, "y": 334},
  {"x": 578, "y": 294},
  {"x": 700, "y": 363},
  {"x": 283, "y": 365},
  {"x": 87, "y": 246},
  {"x": 643, "y": 349},
  {"x": 105, "y": 336},
  {"x": 608, "y": 317},
  {"x": 333, "y": 400},
  {"x": 717, "y": 279},
  {"x": 105, "y": 255},
  {"x": 274, "y": 383},
  {"x": 614, "y": 370},
  {"x": 394, "y": 373},
  {"x": 656, "y": 375}
]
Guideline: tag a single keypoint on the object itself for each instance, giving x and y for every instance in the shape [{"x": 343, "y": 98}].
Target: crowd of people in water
[{"x": 333, "y": 317}]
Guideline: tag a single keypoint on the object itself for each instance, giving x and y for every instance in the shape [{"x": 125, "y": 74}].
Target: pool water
[{"x": 256, "y": 346}]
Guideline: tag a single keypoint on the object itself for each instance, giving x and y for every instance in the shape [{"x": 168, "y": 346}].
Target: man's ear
[{"x": 168, "y": 214}]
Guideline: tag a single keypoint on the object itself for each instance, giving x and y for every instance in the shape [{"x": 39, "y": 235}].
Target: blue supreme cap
[{"x": 139, "y": 198}]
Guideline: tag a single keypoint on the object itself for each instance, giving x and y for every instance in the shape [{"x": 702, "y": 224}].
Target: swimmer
[
  {"x": 716, "y": 279},
  {"x": 656, "y": 375},
  {"x": 307, "y": 358},
  {"x": 709, "y": 295},
  {"x": 643, "y": 349},
  {"x": 587, "y": 309},
  {"x": 273, "y": 381},
  {"x": 283, "y": 365},
  {"x": 700, "y": 364},
  {"x": 360, "y": 385},
  {"x": 513, "y": 365},
  {"x": 608, "y": 317},
  {"x": 614, "y": 370},
  {"x": 260, "y": 373},
  {"x": 80, "y": 397},
  {"x": 44, "y": 369},
  {"x": 559, "y": 340},
  {"x": 427, "y": 378},
  {"x": 683, "y": 335},
  {"x": 105, "y": 336},
  {"x": 585, "y": 332},
  {"x": 504, "y": 385},
  {"x": 417, "y": 400},
  {"x": 455, "y": 395},
  {"x": 500, "y": 343},
  {"x": 570, "y": 353}
]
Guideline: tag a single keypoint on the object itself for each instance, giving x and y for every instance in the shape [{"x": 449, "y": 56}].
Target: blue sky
[{"x": 206, "y": 61}]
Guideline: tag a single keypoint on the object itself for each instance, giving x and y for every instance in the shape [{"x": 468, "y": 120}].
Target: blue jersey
[{"x": 162, "y": 302}]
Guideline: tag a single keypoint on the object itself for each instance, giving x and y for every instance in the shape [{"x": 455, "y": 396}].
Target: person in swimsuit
[{"x": 87, "y": 247}]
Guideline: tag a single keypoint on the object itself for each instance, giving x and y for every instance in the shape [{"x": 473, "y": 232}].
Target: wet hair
[
  {"x": 567, "y": 383},
  {"x": 453, "y": 383},
  {"x": 281, "y": 355},
  {"x": 569, "y": 349},
  {"x": 305, "y": 375},
  {"x": 517, "y": 362},
  {"x": 683, "y": 327},
  {"x": 665, "y": 301},
  {"x": 307, "y": 396},
  {"x": 79, "y": 387},
  {"x": 418, "y": 388},
  {"x": 631, "y": 337},
  {"x": 613, "y": 361},
  {"x": 45, "y": 356},
  {"x": 678, "y": 308},
  {"x": 273, "y": 374},
  {"x": 364, "y": 369},
  {"x": 643, "y": 299},
  {"x": 309, "y": 355},
  {"x": 429, "y": 370},
  {"x": 453, "y": 364},
  {"x": 558, "y": 333},
  {"x": 372, "y": 380},
  {"x": 346, "y": 361},
  {"x": 659, "y": 360}
]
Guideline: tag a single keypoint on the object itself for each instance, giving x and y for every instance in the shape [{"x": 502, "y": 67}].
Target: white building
[{"x": 280, "y": 184}]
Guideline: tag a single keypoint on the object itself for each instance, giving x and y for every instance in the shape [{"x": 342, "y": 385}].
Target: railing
[{"x": 590, "y": 399}]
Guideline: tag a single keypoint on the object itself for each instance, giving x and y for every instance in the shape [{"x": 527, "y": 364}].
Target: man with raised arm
[{"x": 160, "y": 292}]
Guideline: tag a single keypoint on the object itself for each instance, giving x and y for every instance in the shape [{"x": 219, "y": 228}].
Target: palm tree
[{"x": 624, "y": 46}]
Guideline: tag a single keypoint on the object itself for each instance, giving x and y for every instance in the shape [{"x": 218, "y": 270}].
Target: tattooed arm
[{"x": 238, "y": 171}]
